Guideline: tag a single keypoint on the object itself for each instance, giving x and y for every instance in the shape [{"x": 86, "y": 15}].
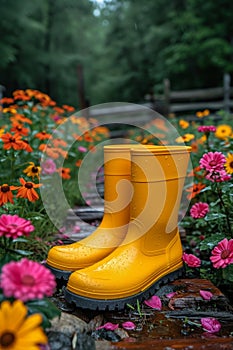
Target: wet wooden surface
[
  {"x": 167, "y": 329},
  {"x": 175, "y": 326}
]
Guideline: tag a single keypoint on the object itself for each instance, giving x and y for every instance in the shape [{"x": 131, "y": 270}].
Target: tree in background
[
  {"x": 42, "y": 44},
  {"x": 123, "y": 50}
]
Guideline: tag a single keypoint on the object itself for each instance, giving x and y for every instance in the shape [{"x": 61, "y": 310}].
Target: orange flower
[
  {"x": 183, "y": 124},
  {"x": 61, "y": 151},
  {"x": 52, "y": 152},
  {"x": 194, "y": 190},
  {"x": 88, "y": 137},
  {"x": 59, "y": 142},
  {"x": 52, "y": 103},
  {"x": 6, "y": 100},
  {"x": 78, "y": 163},
  {"x": 197, "y": 172},
  {"x": 58, "y": 110},
  {"x": 5, "y": 194},
  {"x": 201, "y": 114},
  {"x": 18, "y": 129},
  {"x": 64, "y": 173},
  {"x": 26, "y": 146},
  {"x": 20, "y": 118},
  {"x": 68, "y": 108},
  {"x": 27, "y": 190},
  {"x": 43, "y": 135},
  {"x": 12, "y": 141},
  {"x": 21, "y": 95},
  {"x": 194, "y": 146}
]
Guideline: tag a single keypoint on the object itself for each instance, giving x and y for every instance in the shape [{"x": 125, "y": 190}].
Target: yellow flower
[
  {"x": 201, "y": 114},
  {"x": 185, "y": 138},
  {"x": 17, "y": 331},
  {"x": 202, "y": 139},
  {"x": 183, "y": 124},
  {"x": 229, "y": 163},
  {"x": 223, "y": 131},
  {"x": 32, "y": 170},
  {"x": 2, "y": 131}
]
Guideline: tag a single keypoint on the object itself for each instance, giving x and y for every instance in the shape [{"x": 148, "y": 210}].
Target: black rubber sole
[
  {"x": 119, "y": 304},
  {"x": 59, "y": 274}
]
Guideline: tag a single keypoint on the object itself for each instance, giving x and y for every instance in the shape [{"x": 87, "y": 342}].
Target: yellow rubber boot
[
  {"x": 64, "y": 259},
  {"x": 151, "y": 253}
]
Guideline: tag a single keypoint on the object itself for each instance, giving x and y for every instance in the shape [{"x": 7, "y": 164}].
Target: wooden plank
[
  {"x": 200, "y": 94},
  {"x": 123, "y": 113},
  {"x": 181, "y": 107}
]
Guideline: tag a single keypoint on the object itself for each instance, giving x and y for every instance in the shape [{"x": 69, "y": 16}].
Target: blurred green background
[{"x": 84, "y": 52}]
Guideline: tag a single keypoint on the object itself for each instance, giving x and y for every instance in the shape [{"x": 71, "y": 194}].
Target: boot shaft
[{"x": 157, "y": 177}]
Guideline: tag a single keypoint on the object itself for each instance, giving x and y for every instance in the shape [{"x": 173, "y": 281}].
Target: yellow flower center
[
  {"x": 28, "y": 280},
  {"x": 6, "y": 339}
]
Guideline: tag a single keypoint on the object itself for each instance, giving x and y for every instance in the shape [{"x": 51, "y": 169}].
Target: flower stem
[{"x": 225, "y": 210}]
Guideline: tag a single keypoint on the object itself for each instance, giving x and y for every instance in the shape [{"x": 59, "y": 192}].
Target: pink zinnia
[
  {"x": 191, "y": 260},
  {"x": 206, "y": 128},
  {"x": 48, "y": 167},
  {"x": 199, "y": 210},
  {"x": 26, "y": 280},
  {"x": 218, "y": 176},
  {"x": 213, "y": 161},
  {"x": 222, "y": 254},
  {"x": 210, "y": 324},
  {"x": 13, "y": 226}
]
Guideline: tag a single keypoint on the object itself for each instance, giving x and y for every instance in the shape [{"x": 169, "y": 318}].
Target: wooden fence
[
  {"x": 182, "y": 103},
  {"x": 191, "y": 101}
]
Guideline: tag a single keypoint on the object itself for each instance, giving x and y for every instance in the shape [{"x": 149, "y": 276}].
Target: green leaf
[
  {"x": 210, "y": 242},
  {"x": 228, "y": 273},
  {"x": 23, "y": 252},
  {"x": 21, "y": 240},
  {"x": 45, "y": 307}
]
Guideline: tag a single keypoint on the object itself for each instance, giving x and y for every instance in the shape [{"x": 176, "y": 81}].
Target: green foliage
[
  {"x": 124, "y": 48},
  {"x": 44, "y": 307}
]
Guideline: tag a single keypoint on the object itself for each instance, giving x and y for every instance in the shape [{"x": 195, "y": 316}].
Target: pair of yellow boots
[{"x": 137, "y": 246}]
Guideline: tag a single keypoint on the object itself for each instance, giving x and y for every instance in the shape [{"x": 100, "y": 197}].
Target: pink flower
[
  {"x": 206, "y": 128},
  {"x": 82, "y": 149},
  {"x": 109, "y": 326},
  {"x": 222, "y": 254},
  {"x": 191, "y": 260},
  {"x": 13, "y": 226},
  {"x": 218, "y": 176},
  {"x": 210, "y": 324},
  {"x": 128, "y": 325},
  {"x": 48, "y": 167},
  {"x": 26, "y": 280},
  {"x": 154, "y": 302},
  {"x": 199, "y": 210},
  {"x": 212, "y": 161},
  {"x": 205, "y": 294}
]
